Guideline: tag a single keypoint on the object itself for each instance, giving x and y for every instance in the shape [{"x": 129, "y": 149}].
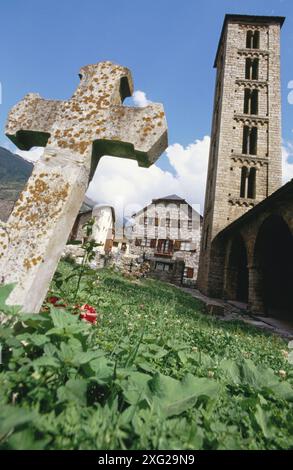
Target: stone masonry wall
[{"x": 223, "y": 202}]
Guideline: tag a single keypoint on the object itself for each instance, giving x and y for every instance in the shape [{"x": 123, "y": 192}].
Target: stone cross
[{"x": 76, "y": 134}]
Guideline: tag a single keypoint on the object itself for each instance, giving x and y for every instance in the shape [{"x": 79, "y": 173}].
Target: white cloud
[
  {"x": 123, "y": 184},
  {"x": 287, "y": 160},
  {"x": 190, "y": 164},
  {"x": 128, "y": 187},
  {"x": 139, "y": 99}
]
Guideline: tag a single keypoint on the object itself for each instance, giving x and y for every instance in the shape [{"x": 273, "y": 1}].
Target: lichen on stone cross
[{"x": 76, "y": 134}]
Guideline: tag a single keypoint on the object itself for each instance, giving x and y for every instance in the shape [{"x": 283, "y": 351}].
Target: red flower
[
  {"x": 88, "y": 313},
  {"x": 52, "y": 300}
]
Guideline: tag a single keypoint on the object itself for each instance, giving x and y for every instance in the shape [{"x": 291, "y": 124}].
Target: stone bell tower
[{"x": 245, "y": 153}]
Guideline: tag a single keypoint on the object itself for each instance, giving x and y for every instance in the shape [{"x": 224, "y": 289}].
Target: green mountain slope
[
  {"x": 13, "y": 169},
  {"x": 14, "y": 173}
]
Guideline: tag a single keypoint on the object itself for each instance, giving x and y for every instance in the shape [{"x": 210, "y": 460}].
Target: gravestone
[{"x": 76, "y": 134}]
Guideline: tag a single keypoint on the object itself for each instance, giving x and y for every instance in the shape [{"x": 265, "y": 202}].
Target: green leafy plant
[
  {"x": 154, "y": 372},
  {"x": 78, "y": 271}
]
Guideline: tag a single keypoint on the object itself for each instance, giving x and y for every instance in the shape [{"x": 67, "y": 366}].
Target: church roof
[{"x": 250, "y": 19}]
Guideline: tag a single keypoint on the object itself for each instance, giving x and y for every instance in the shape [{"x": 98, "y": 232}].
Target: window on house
[
  {"x": 147, "y": 242},
  {"x": 153, "y": 243},
  {"x": 156, "y": 219},
  {"x": 177, "y": 245},
  {"x": 168, "y": 220},
  {"x": 251, "y": 69},
  {"x": 165, "y": 246},
  {"x": 188, "y": 272},
  {"x": 174, "y": 223},
  {"x": 138, "y": 242},
  {"x": 250, "y": 101},
  {"x": 252, "y": 39},
  {"x": 251, "y": 187},
  {"x": 186, "y": 246},
  {"x": 163, "y": 266}
]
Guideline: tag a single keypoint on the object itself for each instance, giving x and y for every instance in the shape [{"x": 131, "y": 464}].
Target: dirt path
[{"x": 237, "y": 311}]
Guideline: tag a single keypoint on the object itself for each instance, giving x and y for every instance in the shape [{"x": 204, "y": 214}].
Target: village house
[
  {"x": 120, "y": 245},
  {"x": 166, "y": 233},
  {"x": 103, "y": 227}
]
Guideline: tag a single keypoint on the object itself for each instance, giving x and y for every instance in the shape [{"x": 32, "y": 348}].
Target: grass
[{"x": 154, "y": 373}]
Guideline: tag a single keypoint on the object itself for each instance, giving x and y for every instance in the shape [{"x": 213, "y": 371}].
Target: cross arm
[
  {"x": 136, "y": 133},
  {"x": 29, "y": 122}
]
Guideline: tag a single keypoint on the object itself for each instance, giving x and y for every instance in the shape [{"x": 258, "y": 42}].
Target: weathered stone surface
[
  {"x": 93, "y": 120},
  {"x": 259, "y": 247},
  {"x": 76, "y": 133}
]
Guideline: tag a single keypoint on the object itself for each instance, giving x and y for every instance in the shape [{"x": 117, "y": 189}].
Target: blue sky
[{"x": 168, "y": 44}]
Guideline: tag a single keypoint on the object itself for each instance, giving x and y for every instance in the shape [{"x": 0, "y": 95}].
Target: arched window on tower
[
  {"x": 248, "y": 183},
  {"x": 254, "y": 102},
  {"x": 248, "y": 69},
  {"x": 250, "y": 101},
  {"x": 245, "y": 140},
  {"x": 255, "y": 40},
  {"x": 251, "y": 186},
  {"x": 251, "y": 69},
  {"x": 253, "y": 141},
  {"x": 249, "y": 141},
  {"x": 244, "y": 171},
  {"x": 252, "y": 39},
  {"x": 249, "y": 39},
  {"x": 255, "y": 63},
  {"x": 246, "y": 108}
]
